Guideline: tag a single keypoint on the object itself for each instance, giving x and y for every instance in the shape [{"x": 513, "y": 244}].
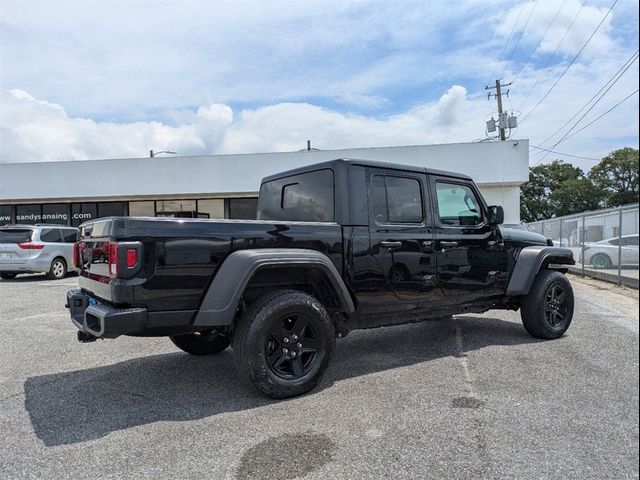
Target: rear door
[
  {"x": 401, "y": 236},
  {"x": 10, "y": 251},
  {"x": 470, "y": 258}
]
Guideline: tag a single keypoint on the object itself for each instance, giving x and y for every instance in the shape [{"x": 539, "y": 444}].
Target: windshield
[{"x": 15, "y": 235}]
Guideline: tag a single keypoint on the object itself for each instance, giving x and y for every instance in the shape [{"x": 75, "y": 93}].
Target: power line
[
  {"x": 541, "y": 38},
  {"x": 606, "y": 87},
  {"x": 508, "y": 40},
  {"x": 564, "y": 154},
  {"x": 596, "y": 119},
  {"x": 552, "y": 55},
  {"x": 603, "y": 114},
  {"x": 535, "y": 4},
  {"x": 571, "y": 63}
]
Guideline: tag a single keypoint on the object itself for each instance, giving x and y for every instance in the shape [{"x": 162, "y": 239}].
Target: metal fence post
[
  {"x": 560, "y": 232},
  {"x": 584, "y": 234},
  {"x": 620, "y": 248}
]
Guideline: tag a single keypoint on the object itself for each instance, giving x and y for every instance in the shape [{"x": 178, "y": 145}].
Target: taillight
[
  {"x": 113, "y": 259},
  {"x": 132, "y": 257},
  {"x": 31, "y": 246},
  {"x": 77, "y": 261}
]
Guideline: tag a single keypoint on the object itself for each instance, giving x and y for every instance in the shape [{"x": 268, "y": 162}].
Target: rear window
[
  {"x": 307, "y": 197},
  {"x": 15, "y": 235}
]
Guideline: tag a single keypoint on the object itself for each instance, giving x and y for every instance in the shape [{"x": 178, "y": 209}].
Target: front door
[
  {"x": 470, "y": 256},
  {"x": 401, "y": 236}
]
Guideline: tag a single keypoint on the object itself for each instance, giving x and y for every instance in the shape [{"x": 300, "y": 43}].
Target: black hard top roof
[{"x": 337, "y": 163}]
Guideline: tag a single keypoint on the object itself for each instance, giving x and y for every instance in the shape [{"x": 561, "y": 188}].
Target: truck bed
[{"x": 180, "y": 256}]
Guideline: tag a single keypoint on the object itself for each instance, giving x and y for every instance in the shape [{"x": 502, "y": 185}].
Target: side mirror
[{"x": 496, "y": 215}]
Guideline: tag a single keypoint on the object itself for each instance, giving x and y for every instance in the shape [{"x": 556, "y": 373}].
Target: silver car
[
  {"x": 36, "y": 248},
  {"x": 604, "y": 254}
]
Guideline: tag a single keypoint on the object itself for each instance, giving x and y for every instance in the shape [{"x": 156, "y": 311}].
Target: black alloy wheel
[
  {"x": 555, "y": 306},
  {"x": 283, "y": 343},
  {"x": 292, "y": 346},
  {"x": 547, "y": 310}
]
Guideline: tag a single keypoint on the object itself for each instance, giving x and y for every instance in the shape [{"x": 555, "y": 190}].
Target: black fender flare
[
  {"x": 221, "y": 300},
  {"x": 530, "y": 261}
]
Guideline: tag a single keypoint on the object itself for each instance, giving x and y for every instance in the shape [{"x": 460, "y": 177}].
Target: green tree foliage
[
  {"x": 617, "y": 176},
  {"x": 551, "y": 190},
  {"x": 559, "y": 188}
]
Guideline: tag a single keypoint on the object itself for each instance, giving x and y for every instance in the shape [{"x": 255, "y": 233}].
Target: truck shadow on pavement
[{"x": 77, "y": 406}]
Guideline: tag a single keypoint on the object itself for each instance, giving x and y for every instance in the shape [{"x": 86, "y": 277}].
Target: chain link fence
[{"x": 604, "y": 242}]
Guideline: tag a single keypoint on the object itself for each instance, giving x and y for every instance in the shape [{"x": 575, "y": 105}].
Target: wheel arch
[
  {"x": 248, "y": 272},
  {"x": 533, "y": 259}
]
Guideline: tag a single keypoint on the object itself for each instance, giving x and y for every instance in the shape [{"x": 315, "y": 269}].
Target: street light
[{"x": 153, "y": 154}]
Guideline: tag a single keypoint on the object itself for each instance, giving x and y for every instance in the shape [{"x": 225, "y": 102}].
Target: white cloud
[{"x": 36, "y": 130}]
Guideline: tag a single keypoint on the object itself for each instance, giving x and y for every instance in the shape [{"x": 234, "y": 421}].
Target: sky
[{"x": 109, "y": 79}]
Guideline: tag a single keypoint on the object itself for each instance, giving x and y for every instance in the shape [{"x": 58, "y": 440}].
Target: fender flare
[
  {"x": 530, "y": 261},
  {"x": 221, "y": 300}
]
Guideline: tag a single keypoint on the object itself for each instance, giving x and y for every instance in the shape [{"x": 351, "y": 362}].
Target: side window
[
  {"x": 457, "y": 205},
  {"x": 396, "y": 199},
  {"x": 69, "y": 235},
  {"x": 51, "y": 235},
  {"x": 630, "y": 241},
  {"x": 307, "y": 197}
]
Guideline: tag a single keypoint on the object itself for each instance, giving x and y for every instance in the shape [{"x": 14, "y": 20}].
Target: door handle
[
  {"x": 390, "y": 244},
  {"x": 427, "y": 245},
  {"x": 444, "y": 244}
]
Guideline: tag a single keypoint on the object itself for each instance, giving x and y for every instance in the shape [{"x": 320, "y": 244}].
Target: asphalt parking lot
[{"x": 473, "y": 397}]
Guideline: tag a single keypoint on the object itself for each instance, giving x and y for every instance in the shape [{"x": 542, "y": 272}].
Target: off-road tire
[
  {"x": 58, "y": 269},
  {"x": 537, "y": 310},
  {"x": 201, "y": 343},
  {"x": 254, "y": 334},
  {"x": 8, "y": 276}
]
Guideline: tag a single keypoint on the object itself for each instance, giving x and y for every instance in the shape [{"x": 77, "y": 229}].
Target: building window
[
  {"x": 111, "y": 209},
  {"x": 211, "y": 208},
  {"x": 55, "y": 213},
  {"x": 29, "y": 214},
  {"x": 142, "y": 209},
  {"x": 6, "y": 214},
  {"x": 243, "y": 208},
  {"x": 176, "y": 208},
  {"x": 83, "y": 212}
]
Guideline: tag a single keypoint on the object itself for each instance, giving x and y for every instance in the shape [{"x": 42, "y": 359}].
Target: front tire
[
  {"x": 547, "y": 310},
  {"x": 58, "y": 269},
  {"x": 283, "y": 343},
  {"x": 201, "y": 343},
  {"x": 8, "y": 276}
]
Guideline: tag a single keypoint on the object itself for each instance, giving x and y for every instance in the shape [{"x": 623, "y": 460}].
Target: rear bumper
[
  {"x": 26, "y": 266},
  {"x": 105, "y": 321}
]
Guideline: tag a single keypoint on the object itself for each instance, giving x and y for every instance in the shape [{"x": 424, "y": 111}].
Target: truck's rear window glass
[
  {"x": 396, "y": 199},
  {"x": 14, "y": 235},
  {"x": 457, "y": 205},
  {"x": 307, "y": 197}
]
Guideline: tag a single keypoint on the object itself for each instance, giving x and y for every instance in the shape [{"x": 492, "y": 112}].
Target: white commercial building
[{"x": 226, "y": 186}]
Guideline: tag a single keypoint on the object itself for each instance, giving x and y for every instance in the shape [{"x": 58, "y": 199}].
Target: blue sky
[{"x": 110, "y": 79}]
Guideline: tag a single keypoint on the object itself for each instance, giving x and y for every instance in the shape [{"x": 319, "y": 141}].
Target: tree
[
  {"x": 617, "y": 176},
  {"x": 554, "y": 189},
  {"x": 576, "y": 195}
]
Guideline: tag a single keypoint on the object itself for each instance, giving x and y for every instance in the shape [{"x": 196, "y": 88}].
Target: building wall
[{"x": 499, "y": 168}]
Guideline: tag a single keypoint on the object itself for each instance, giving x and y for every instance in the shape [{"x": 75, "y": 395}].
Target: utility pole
[{"x": 502, "y": 117}]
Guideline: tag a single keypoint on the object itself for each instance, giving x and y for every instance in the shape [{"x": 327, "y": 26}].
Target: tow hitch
[{"x": 86, "y": 337}]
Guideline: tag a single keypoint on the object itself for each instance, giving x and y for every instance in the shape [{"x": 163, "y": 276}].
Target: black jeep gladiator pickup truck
[{"x": 337, "y": 246}]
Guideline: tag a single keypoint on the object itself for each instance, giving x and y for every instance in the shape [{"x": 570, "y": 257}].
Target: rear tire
[
  {"x": 547, "y": 310},
  {"x": 283, "y": 343},
  {"x": 8, "y": 276},
  {"x": 58, "y": 269},
  {"x": 201, "y": 343}
]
